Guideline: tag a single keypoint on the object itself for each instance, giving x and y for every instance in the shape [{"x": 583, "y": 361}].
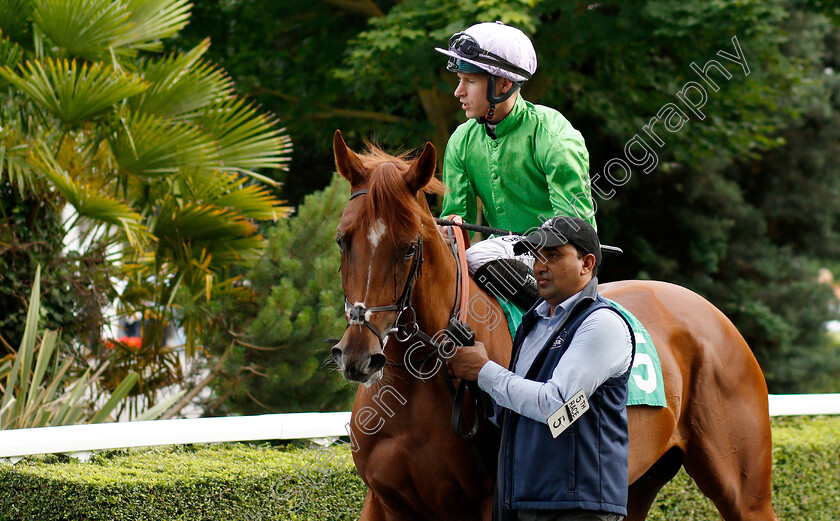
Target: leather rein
[{"x": 456, "y": 331}]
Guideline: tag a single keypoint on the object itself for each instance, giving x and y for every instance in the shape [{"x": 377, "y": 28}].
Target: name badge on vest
[{"x": 568, "y": 413}]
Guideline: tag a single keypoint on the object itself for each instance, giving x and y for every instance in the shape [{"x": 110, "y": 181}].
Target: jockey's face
[{"x": 472, "y": 93}]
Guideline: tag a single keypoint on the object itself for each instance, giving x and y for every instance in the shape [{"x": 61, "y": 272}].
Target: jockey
[{"x": 525, "y": 162}]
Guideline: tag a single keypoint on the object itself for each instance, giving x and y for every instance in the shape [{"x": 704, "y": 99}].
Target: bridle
[{"x": 359, "y": 315}]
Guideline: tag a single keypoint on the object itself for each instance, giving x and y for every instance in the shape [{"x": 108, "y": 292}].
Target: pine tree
[{"x": 282, "y": 362}]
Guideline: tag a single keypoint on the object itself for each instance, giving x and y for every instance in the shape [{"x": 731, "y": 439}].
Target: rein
[{"x": 459, "y": 331}]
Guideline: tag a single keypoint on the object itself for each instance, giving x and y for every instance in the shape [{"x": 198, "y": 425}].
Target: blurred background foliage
[
  {"x": 131, "y": 175},
  {"x": 742, "y": 206}
]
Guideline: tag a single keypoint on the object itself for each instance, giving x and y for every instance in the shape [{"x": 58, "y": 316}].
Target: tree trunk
[{"x": 439, "y": 114}]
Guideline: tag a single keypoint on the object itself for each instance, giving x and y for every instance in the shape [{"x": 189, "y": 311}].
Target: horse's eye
[
  {"x": 340, "y": 245},
  {"x": 411, "y": 251}
]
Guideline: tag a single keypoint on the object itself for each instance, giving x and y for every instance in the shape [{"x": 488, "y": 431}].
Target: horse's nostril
[
  {"x": 377, "y": 362},
  {"x": 337, "y": 355}
]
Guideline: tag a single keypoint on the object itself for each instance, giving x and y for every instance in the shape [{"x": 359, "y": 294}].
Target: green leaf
[
  {"x": 90, "y": 203},
  {"x": 246, "y": 138},
  {"x": 117, "y": 396},
  {"x": 152, "y": 20},
  {"x": 17, "y": 169},
  {"x": 85, "y": 28},
  {"x": 66, "y": 414},
  {"x": 254, "y": 202},
  {"x": 148, "y": 146},
  {"x": 155, "y": 412},
  {"x": 10, "y": 52},
  {"x": 181, "y": 84},
  {"x": 15, "y": 17},
  {"x": 26, "y": 351},
  {"x": 52, "y": 390},
  {"x": 74, "y": 92},
  {"x": 201, "y": 222},
  {"x": 45, "y": 352},
  {"x": 5, "y": 368},
  {"x": 227, "y": 191}
]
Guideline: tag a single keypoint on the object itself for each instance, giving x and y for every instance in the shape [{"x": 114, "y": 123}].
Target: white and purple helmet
[{"x": 495, "y": 48}]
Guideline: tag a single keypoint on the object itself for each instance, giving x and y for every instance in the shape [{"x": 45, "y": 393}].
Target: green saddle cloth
[{"x": 646, "y": 386}]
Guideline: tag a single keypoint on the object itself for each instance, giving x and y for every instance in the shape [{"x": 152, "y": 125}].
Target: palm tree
[{"x": 157, "y": 155}]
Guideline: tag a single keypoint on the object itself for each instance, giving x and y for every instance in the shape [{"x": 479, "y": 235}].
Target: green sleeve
[
  {"x": 566, "y": 166},
  {"x": 459, "y": 198}
]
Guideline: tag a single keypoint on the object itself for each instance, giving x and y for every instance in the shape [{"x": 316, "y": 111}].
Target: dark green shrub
[{"x": 221, "y": 482}]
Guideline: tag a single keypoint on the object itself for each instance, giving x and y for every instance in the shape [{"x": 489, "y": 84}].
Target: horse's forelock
[{"x": 389, "y": 199}]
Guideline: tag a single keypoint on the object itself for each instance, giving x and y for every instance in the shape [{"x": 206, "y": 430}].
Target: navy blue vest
[{"x": 586, "y": 466}]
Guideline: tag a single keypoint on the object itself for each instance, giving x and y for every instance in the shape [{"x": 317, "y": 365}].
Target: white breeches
[{"x": 495, "y": 248}]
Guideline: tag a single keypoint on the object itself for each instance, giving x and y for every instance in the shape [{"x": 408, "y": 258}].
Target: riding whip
[{"x": 487, "y": 230}]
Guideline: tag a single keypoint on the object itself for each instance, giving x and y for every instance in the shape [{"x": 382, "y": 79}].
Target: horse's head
[{"x": 381, "y": 239}]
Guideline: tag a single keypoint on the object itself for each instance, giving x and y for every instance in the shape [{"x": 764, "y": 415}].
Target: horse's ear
[
  {"x": 422, "y": 170},
  {"x": 347, "y": 162}
]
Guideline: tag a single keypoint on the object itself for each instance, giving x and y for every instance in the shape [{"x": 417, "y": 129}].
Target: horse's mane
[{"x": 388, "y": 196}]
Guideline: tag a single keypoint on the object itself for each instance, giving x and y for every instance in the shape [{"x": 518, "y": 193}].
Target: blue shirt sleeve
[{"x": 601, "y": 349}]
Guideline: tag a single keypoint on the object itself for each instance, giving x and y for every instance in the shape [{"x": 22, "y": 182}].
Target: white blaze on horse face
[{"x": 377, "y": 231}]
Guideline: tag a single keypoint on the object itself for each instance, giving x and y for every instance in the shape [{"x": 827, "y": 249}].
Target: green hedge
[
  {"x": 215, "y": 482},
  {"x": 240, "y": 482}
]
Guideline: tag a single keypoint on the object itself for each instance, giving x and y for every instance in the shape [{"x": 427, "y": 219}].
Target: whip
[{"x": 487, "y": 230}]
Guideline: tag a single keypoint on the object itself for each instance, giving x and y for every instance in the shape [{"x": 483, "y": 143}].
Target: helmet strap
[
  {"x": 490, "y": 128},
  {"x": 491, "y": 111}
]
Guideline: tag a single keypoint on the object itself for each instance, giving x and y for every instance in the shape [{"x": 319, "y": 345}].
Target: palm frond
[
  {"x": 246, "y": 139},
  {"x": 254, "y": 202},
  {"x": 153, "y": 20},
  {"x": 84, "y": 28},
  {"x": 229, "y": 191},
  {"x": 10, "y": 52},
  {"x": 244, "y": 250},
  {"x": 72, "y": 92},
  {"x": 200, "y": 222},
  {"x": 15, "y": 165},
  {"x": 15, "y": 16},
  {"x": 89, "y": 203},
  {"x": 181, "y": 84},
  {"x": 148, "y": 146}
]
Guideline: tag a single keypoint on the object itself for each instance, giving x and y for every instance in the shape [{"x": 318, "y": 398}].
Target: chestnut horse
[{"x": 397, "y": 269}]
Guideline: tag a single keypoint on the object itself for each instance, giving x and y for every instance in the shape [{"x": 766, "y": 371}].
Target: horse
[{"x": 400, "y": 278}]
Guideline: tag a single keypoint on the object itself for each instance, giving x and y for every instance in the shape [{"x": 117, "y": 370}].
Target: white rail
[
  {"x": 86, "y": 438},
  {"x": 804, "y": 404},
  {"x": 99, "y": 436}
]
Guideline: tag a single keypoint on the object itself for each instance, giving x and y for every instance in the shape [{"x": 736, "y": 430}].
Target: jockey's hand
[
  {"x": 468, "y": 361},
  {"x": 444, "y": 232}
]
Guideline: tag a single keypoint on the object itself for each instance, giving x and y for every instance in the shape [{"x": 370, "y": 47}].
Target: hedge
[{"x": 231, "y": 482}]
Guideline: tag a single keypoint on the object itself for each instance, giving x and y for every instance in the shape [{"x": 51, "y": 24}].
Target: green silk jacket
[{"x": 537, "y": 168}]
